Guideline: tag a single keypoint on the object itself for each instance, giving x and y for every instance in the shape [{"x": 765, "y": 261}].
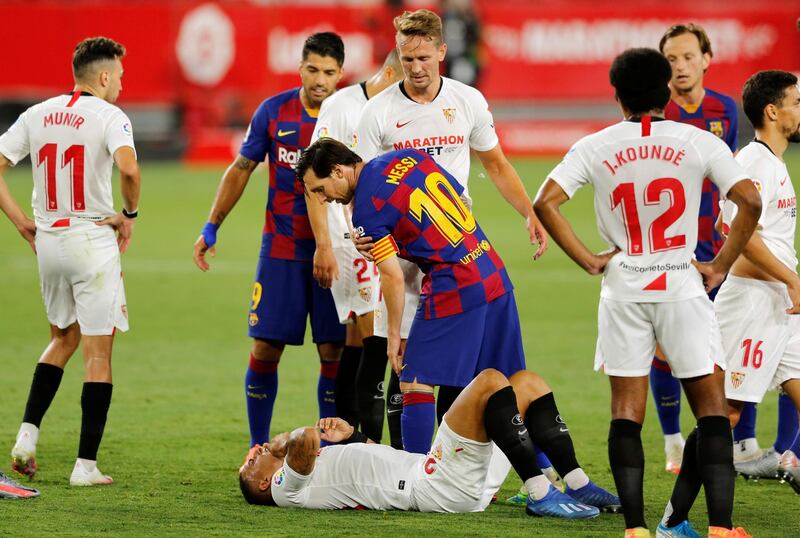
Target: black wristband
[
  {"x": 131, "y": 215},
  {"x": 356, "y": 437}
]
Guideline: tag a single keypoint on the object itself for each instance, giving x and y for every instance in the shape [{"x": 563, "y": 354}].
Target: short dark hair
[
  {"x": 691, "y": 28},
  {"x": 322, "y": 156},
  {"x": 641, "y": 79},
  {"x": 325, "y": 44},
  {"x": 762, "y": 89},
  {"x": 250, "y": 496},
  {"x": 92, "y": 50}
]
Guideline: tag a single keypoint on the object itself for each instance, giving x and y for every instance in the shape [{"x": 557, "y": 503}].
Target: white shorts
[
  {"x": 686, "y": 330},
  {"x": 358, "y": 287},
  {"x": 454, "y": 474},
  {"x": 761, "y": 342},
  {"x": 413, "y": 283},
  {"x": 81, "y": 277}
]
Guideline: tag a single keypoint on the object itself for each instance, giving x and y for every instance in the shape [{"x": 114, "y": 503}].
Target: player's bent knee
[
  {"x": 491, "y": 380},
  {"x": 530, "y": 383},
  {"x": 267, "y": 350}
]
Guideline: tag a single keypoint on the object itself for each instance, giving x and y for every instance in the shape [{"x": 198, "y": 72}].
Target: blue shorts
[
  {"x": 454, "y": 349},
  {"x": 284, "y": 294}
]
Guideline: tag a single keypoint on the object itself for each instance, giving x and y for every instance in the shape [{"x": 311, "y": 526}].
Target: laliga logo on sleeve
[
  {"x": 278, "y": 478},
  {"x": 126, "y": 128}
]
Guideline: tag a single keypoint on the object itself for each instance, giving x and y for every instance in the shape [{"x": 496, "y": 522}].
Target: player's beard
[{"x": 795, "y": 137}]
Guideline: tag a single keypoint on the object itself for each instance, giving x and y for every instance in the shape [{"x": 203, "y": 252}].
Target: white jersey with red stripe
[
  {"x": 377, "y": 477},
  {"x": 338, "y": 119},
  {"x": 457, "y": 120},
  {"x": 71, "y": 139},
  {"x": 647, "y": 180},
  {"x": 778, "y": 220}
]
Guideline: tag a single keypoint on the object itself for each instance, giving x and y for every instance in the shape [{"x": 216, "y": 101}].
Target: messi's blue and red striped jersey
[
  {"x": 412, "y": 207},
  {"x": 280, "y": 130},
  {"x": 716, "y": 114}
]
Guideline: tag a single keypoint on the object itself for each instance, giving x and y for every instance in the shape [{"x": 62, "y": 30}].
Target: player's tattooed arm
[
  {"x": 231, "y": 188},
  {"x": 302, "y": 449},
  {"x": 243, "y": 163}
]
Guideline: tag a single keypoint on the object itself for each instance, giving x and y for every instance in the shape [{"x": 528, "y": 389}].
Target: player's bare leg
[
  {"x": 490, "y": 408},
  {"x": 707, "y": 457},
  {"x": 261, "y": 387},
  {"x": 46, "y": 380},
  {"x": 625, "y": 451},
  {"x": 369, "y": 379},
  {"x": 95, "y": 401}
]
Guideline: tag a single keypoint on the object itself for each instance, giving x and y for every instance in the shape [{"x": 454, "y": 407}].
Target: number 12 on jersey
[
  {"x": 73, "y": 157},
  {"x": 624, "y": 195}
]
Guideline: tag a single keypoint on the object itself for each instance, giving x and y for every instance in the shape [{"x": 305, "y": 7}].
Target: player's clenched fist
[{"x": 334, "y": 429}]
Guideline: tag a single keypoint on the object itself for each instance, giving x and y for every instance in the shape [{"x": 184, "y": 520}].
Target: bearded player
[
  {"x": 285, "y": 292},
  {"x": 353, "y": 279}
]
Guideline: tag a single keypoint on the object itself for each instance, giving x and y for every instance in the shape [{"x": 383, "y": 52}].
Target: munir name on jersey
[{"x": 68, "y": 119}]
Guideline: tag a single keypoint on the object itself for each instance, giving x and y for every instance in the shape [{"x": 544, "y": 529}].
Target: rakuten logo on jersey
[
  {"x": 288, "y": 156},
  {"x": 432, "y": 145}
]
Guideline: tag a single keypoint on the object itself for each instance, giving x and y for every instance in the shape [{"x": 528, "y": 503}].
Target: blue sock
[
  {"x": 417, "y": 420},
  {"x": 787, "y": 425},
  {"x": 746, "y": 428},
  {"x": 261, "y": 389},
  {"x": 667, "y": 396},
  {"x": 326, "y": 387},
  {"x": 542, "y": 461}
]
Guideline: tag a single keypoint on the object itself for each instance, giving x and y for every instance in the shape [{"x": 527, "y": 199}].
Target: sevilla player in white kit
[
  {"x": 647, "y": 175},
  {"x": 446, "y": 119},
  {"x": 757, "y": 305},
  {"x": 292, "y": 471},
  {"x": 353, "y": 279},
  {"x": 74, "y": 140}
]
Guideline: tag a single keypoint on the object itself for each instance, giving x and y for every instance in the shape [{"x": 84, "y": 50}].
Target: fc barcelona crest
[
  {"x": 449, "y": 114},
  {"x": 715, "y": 128},
  {"x": 737, "y": 378}
]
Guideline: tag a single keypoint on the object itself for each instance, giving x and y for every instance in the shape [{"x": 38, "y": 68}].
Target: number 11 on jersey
[{"x": 72, "y": 157}]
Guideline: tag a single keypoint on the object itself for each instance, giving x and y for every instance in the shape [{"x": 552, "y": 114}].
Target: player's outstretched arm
[
  {"x": 130, "y": 187},
  {"x": 326, "y": 270},
  {"x": 234, "y": 180},
  {"x": 393, "y": 290},
  {"x": 508, "y": 182},
  {"x": 748, "y": 204},
  {"x": 547, "y": 206},
  {"x": 25, "y": 226},
  {"x": 301, "y": 450}
]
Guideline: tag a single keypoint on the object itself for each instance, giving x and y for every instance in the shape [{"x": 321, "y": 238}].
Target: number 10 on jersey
[{"x": 624, "y": 196}]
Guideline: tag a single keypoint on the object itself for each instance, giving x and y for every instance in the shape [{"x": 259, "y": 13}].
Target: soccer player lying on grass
[{"x": 293, "y": 471}]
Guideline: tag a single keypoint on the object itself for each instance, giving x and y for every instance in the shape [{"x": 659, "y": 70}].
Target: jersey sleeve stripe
[{"x": 384, "y": 249}]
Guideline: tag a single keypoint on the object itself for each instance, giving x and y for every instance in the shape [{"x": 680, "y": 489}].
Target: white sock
[
  {"x": 576, "y": 479},
  {"x": 538, "y": 486},
  {"x": 31, "y": 430},
  {"x": 672, "y": 440},
  {"x": 667, "y": 512},
  {"x": 88, "y": 465},
  {"x": 745, "y": 449}
]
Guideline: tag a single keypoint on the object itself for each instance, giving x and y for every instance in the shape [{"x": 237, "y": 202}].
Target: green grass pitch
[{"x": 177, "y": 429}]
